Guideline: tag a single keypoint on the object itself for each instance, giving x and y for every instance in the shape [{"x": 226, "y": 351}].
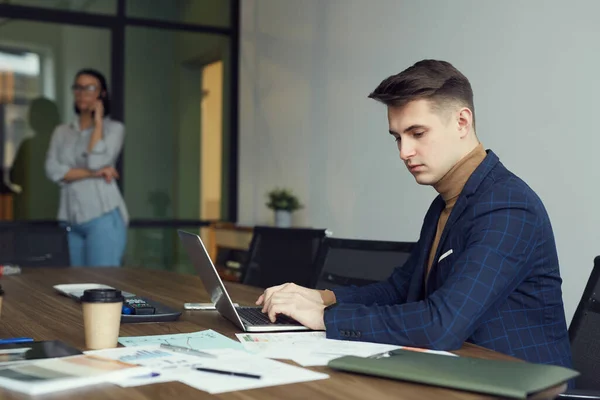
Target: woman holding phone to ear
[{"x": 81, "y": 159}]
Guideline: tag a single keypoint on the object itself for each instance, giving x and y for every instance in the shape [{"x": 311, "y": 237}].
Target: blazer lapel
[
  {"x": 415, "y": 290},
  {"x": 459, "y": 208}
]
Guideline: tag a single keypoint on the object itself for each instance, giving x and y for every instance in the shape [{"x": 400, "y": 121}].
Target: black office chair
[
  {"x": 280, "y": 255},
  {"x": 584, "y": 335},
  {"x": 345, "y": 262},
  {"x": 34, "y": 244}
]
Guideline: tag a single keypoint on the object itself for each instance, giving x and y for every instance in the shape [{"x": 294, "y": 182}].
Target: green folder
[{"x": 496, "y": 377}]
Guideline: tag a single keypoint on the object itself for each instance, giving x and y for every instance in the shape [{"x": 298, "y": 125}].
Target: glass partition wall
[{"x": 171, "y": 67}]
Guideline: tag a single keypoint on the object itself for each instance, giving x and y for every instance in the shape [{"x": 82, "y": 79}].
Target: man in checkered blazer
[{"x": 485, "y": 269}]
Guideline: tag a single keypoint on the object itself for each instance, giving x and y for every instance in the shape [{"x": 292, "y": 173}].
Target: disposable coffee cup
[
  {"x": 1, "y": 298},
  {"x": 101, "y": 317}
]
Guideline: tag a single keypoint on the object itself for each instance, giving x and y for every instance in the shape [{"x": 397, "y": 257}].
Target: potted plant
[{"x": 283, "y": 202}]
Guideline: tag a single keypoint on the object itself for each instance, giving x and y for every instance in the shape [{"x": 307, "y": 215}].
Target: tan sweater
[{"x": 450, "y": 187}]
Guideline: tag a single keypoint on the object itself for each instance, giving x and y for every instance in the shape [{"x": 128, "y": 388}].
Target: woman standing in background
[{"x": 81, "y": 160}]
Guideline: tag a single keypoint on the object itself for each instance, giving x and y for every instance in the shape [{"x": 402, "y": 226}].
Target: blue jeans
[{"x": 98, "y": 242}]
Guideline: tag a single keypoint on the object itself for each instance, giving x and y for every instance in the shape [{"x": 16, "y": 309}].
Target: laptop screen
[{"x": 210, "y": 277}]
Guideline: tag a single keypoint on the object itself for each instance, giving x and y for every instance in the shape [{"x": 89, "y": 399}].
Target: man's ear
[{"x": 464, "y": 121}]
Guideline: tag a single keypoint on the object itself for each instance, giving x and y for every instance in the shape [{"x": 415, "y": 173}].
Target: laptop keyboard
[{"x": 254, "y": 316}]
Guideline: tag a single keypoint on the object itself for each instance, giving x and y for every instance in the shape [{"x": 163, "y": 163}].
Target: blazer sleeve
[{"x": 499, "y": 244}]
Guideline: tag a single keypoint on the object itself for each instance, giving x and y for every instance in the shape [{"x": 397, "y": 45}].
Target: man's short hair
[{"x": 433, "y": 80}]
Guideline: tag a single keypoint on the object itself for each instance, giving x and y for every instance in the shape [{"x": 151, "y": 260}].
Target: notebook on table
[
  {"x": 57, "y": 374},
  {"x": 509, "y": 379}
]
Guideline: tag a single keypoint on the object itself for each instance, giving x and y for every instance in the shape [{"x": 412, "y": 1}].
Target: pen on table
[
  {"x": 380, "y": 355},
  {"x": 185, "y": 350},
  {"x": 218, "y": 371},
  {"x": 16, "y": 340},
  {"x": 388, "y": 353},
  {"x": 150, "y": 375}
]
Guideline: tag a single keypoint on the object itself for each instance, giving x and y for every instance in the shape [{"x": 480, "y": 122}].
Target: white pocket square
[{"x": 446, "y": 254}]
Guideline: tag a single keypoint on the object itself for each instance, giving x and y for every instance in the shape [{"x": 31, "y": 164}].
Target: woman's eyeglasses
[{"x": 84, "y": 88}]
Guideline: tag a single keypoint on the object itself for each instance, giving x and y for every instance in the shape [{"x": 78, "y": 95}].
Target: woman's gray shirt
[{"x": 85, "y": 199}]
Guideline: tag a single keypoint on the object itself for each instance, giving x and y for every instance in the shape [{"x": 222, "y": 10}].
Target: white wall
[{"x": 306, "y": 123}]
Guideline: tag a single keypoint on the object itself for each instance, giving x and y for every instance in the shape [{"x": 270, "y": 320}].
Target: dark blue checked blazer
[{"x": 499, "y": 288}]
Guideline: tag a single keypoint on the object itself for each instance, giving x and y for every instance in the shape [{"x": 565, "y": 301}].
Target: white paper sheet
[
  {"x": 283, "y": 345},
  {"x": 312, "y": 348},
  {"x": 272, "y": 373},
  {"x": 181, "y": 367}
]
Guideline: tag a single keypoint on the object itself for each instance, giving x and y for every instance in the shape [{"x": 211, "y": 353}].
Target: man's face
[{"x": 429, "y": 142}]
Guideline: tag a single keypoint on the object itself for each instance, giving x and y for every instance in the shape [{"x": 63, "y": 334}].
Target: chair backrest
[
  {"x": 584, "y": 333},
  {"x": 34, "y": 244},
  {"x": 280, "y": 255},
  {"x": 344, "y": 262}
]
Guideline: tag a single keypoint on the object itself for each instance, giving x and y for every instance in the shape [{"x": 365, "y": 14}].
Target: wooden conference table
[{"x": 31, "y": 308}]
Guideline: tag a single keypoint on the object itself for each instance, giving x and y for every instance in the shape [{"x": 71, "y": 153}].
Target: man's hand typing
[{"x": 304, "y": 305}]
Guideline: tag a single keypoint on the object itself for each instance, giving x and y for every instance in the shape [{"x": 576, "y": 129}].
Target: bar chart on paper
[
  {"x": 165, "y": 366},
  {"x": 203, "y": 340},
  {"x": 140, "y": 355}
]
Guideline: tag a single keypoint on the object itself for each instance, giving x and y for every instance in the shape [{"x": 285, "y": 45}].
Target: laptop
[{"x": 248, "y": 319}]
